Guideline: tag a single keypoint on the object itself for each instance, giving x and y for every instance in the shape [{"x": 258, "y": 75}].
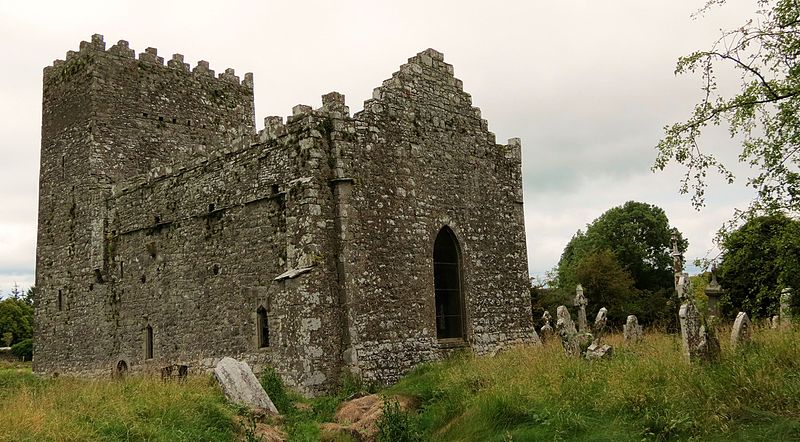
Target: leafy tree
[
  {"x": 16, "y": 320},
  {"x": 764, "y": 109},
  {"x": 607, "y": 283},
  {"x": 631, "y": 242},
  {"x": 760, "y": 259}
]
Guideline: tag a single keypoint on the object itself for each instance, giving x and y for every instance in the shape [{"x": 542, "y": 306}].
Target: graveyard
[{"x": 646, "y": 390}]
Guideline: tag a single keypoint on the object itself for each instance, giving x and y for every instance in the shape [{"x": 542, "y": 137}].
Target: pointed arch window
[
  {"x": 262, "y": 325},
  {"x": 447, "y": 286}
]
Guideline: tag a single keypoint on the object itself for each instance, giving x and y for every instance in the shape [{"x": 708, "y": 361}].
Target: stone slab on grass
[{"x": 241, "y": 386}]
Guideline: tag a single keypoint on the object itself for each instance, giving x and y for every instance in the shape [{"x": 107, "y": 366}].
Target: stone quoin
[{"x": 172, "y": 232}]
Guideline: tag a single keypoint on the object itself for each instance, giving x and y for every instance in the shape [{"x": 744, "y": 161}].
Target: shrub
[
  {"x": 276, "y": 390},
  {"x": 23, "y": 349},
  {"x": 395, "y": 425}
]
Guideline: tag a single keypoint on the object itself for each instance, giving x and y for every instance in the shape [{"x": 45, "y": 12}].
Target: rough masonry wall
[
  {"x": 425, "y": 159},
  {"x": 161, "y": 209}
]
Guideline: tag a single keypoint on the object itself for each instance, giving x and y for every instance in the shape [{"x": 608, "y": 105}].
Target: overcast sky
[{"x": 587, "y": 86}]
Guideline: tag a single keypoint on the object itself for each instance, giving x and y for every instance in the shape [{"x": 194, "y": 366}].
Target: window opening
[
  {"x": 148, "y": 345},
  {"x": 263, "y": 328},
  {"x": 447, "y": 286}
]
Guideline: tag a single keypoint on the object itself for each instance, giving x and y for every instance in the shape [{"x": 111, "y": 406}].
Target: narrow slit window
[
  {"x": 148, "y": 344},
  {"x": 447, "y": 286},
  {"x": 263, "y": 328},
  {"x": 60, "y": 301}
]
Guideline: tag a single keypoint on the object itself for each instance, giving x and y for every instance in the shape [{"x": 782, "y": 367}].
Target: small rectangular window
[
  {"x": 262, "y": 324},
  {"x": 148, "y": 345}
]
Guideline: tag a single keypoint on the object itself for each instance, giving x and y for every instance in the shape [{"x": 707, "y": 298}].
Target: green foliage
[
  {"x": 646, "y": 392},
  {"x": 276, "y": 390},
  {"x": 624, "y": 256},
  {"x": 760, "y": 259},
  {"x": 395, "y": 425},
  {"x": 16, "y": 320},
  {"x": 23, "y": 349},
  {"x": 764, "y": 109},
  {"x": 135, "y": 408}
]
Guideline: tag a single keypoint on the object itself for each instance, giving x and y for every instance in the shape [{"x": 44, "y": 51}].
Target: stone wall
[{"x": 169, "y": 215}]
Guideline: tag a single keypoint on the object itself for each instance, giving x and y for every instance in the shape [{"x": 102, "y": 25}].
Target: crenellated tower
[{"x": 108, "y": 116}]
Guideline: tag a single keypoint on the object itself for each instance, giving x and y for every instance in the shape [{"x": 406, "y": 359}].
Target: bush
[
  {"x": 23, "y": 349},
  {"x": 276, "y": 390},
  {"x": 396, "y": 425}
]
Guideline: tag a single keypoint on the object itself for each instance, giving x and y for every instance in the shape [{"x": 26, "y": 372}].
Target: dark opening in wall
[
  {"x": 211, "y": 207},
  {"x": 275, "y": 189},
  {"x": 60, "y": 301},
  {"x": 160, "y": 118},
  {"x": 262, "y": 325},
  {"x": 144, "y": 114},
  {"x": 157, "y": 219},
  {"x": 215, "y": 269},
  {"x": 143, "y": 279},
  {"x": 447, "y": 286},
  {"x": 91, "y": 287},
  {"x": 121, "y": 269},
  {"x": 121, "y": 368},
  {"x": 148, "y": 343},
  {"x": 174, "y": 120}
]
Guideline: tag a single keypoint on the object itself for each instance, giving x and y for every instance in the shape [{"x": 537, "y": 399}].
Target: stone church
[{"x": 172, "y": 232}]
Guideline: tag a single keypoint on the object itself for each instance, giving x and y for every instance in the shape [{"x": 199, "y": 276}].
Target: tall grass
[
  {"x": 646, "y": 391},
  {"x": 137, "y": 408}
]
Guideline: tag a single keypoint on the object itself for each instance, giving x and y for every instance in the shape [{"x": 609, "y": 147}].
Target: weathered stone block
[{"x": 241, "y": 386}]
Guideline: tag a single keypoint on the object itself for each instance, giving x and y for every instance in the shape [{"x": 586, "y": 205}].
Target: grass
[
  {"x": 138, "y": 408},
  {"x": 644, "y": 392}
]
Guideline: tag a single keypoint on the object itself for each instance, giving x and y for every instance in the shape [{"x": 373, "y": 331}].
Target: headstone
[
  {"x": 632, "y": 330},
  {"x": 598, "y": 350},
  {"x": 566, "y": 331},
  {"x": 547, "y": 329},
  {"x": 775, "y": 322},
  {"x": 580, "y": 302},
  {"x": 713, "y": 291},
  {"x": 786, "y": 307},
  {"x": 741, "y": 332},
  {"x": 241, "y": 386},
  {"x": 698, "y": 342}
]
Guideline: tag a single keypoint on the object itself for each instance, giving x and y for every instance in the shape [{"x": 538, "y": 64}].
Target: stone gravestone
[
  {"x": 632, "y": 330},
  {"x": 566, "y": 331},
  {"x": 713, "y": 291},
  {"x": 775, "y": 321},
  {"x": 786, "y": 307},
  {"x": 580, "y": 302},
  {"x": 598, "y": 350},
  {"x": 241, "y": 386},
  {"x": 741, "y": 332},
  {"x": 547, "y": 330},
  {"x": 698, "y": 343}
]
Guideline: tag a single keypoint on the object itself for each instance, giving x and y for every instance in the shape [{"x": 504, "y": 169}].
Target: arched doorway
[
  {"x": 447, "y": 286},
  {"x": 121, "y": 368}
]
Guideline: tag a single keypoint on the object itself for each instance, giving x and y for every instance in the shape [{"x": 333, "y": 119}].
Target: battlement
[
  {"x": 150, "y": 56},
  {"x": 146, "y": 112}
]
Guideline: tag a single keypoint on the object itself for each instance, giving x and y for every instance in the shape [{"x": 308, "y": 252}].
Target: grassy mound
[{"x": 645, "y": 391}]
